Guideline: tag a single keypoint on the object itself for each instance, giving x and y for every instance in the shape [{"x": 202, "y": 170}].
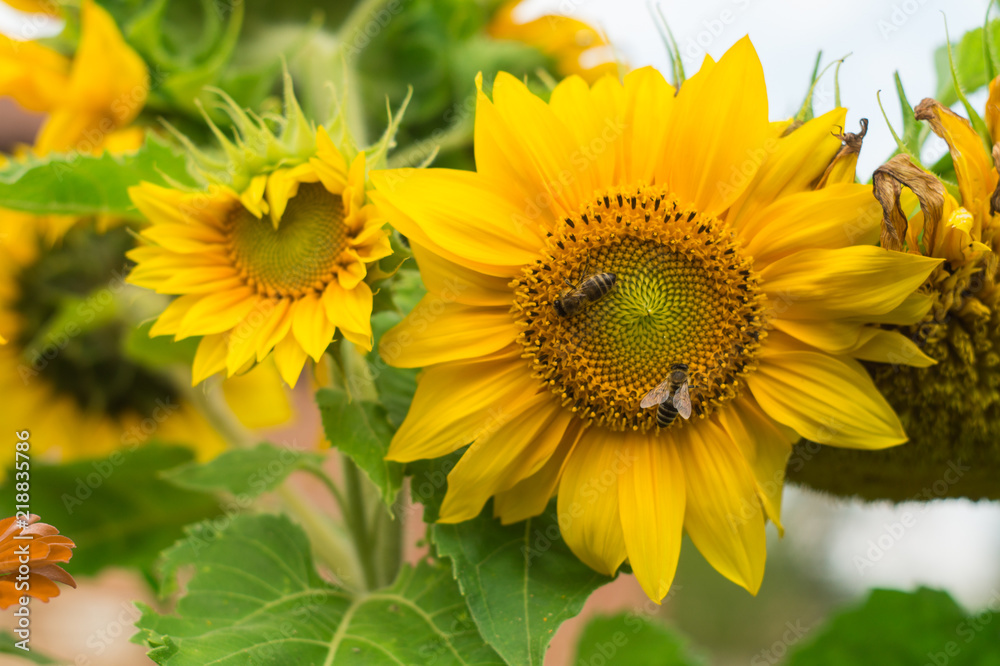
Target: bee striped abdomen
[
  {"x": 665, "y": 414},
  {"x": 591, "y": 290}
]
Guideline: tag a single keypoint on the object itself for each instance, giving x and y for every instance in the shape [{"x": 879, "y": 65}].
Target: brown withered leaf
[
  {"x": 887, "y": 183},
  {"x": 851, "y": 146}
]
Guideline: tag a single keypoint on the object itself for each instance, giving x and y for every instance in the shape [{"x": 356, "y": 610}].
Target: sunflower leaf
[
  {"x": 117, "y": 509},
  {"x": 521, "y": 581},
  {"x": 895, "y": 627},
  {"x": 969, "y": 55},
  {"x": 244, "y": 472},
  {"x": 255, "y": 597},
  {"x": 79, "y": 184},
  {"x": 361, "y": 429},
  {"x": 631, "y": 638}
]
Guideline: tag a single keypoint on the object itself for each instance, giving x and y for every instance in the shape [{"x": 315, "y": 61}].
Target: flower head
[
  {"x": 66, "y": 369},
  {"x": 273, "y": 256},
  {"x": 563, "y": 39},
  {"x": 951, "y": 409},
  {"x": 45, "y": 548},
  {"x": 726, "y": 259}
]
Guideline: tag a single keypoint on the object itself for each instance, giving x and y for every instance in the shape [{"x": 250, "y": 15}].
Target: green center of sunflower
[
  {"x": 682, "y": 293},
  {"x": 302, "y": 254},
  {"x": 69, "y": 336}
]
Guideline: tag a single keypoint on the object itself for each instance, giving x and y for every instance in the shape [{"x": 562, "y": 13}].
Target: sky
[{"x": 882, "y": 36}]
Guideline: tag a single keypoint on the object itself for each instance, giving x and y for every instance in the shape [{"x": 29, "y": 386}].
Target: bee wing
[
  {"x": 657, "y": 395},
  {"x": 682, "y": 401}
]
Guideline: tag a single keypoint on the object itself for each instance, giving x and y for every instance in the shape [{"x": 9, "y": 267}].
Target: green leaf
[
  {"x": 77, "y": 184},
  {"x": 7, "y": 641},
  {"x": 901, "y": 628},
  {"x": 360, "y": 428},
  {"x": 628, "y": 638},
  {"x": 245, "y": 472},
  {"x": 429, "y": 481},
  {"x": 970, "y": 63},
  {"x": 117, "y": 509},
  {"x": 521, "y": 581},
  {"x": 395, "y": 385},
  {"x": 256, "y": 598}
]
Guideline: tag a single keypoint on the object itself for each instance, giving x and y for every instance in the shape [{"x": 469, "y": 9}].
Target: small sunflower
[
  {"x": 63, "y": 374},
  {"x": 726, "y": 259},
  {"x": 45, "y": 547},
  {"x": 567, "y": 41},
  {"x": 89, "y": 100},
  {"x": 273, "y": 261},
  {"x": 951, "y": 409}
]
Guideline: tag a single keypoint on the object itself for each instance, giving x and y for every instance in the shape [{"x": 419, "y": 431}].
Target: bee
[
  {"x": 675, "y": 384},
  {"x": 590, "y": 290}
]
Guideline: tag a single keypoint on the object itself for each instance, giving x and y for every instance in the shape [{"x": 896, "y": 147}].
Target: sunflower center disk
[
  {"x": 303, "y": 253},
  {"x": 683, "y": 293}
]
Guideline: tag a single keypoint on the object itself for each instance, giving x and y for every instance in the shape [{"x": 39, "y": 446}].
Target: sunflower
[
  {"x": 45, "y": 547},
  {"x": 89, "y": 100},
  {"x": 276, "y": 260},
  {"x": 63, "y": 374},
  {"x": 952, "y": 409},
  {"x": 567, "y": 41},
  {"x": 726, "y": 259}
]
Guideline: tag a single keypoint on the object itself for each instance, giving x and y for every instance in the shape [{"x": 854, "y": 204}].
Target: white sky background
[
  {"x": 882, "y": 35},
  {"x": 953, "y": 544}
]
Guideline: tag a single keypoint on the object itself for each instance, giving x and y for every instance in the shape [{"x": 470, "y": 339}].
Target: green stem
[
  {"x": 357, "y": 518},
  {"x": 329, "y": 545}
]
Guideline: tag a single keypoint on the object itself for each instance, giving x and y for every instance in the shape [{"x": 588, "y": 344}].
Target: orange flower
[{"x": 43, "y": 549}]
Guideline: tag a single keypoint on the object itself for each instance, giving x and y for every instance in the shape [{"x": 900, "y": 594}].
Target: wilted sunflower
[
  {"x": 274, "y": 259},
  {"x": 45, "y": 548},
  {"x": 952, "y": 409},
  {"x": 726, "y": 260},
  {"x": 567, "y": 41},
  {"x": 64, "y": 373}
]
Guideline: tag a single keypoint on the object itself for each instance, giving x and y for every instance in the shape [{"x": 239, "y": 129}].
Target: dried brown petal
[
  {"x": 848, "y": 151},
  {"x": 888, "y": 181}
]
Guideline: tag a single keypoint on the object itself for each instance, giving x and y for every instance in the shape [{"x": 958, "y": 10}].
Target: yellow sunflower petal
[
  {"x": 588, "y": 500},
  {"x": 724, "y": 517},
  {"x": 651, "y": 499},
  {"x": 350, "y": 310},
  {"x": 993, "y": 110},
  {"x": 462, "y": 213},
  {"x": 531, "y": 495},
  {"x": 501, "y": 457},
  {"x": 34, "y": 75},
  {"x": 890, "y": 347},
  {"x": 210, "y": 357},
  {"x": 275, "y": 327},
  {"x": 311, "y": 325},
  {"x": 481, "y": 396},
  {"x": 257, "y": 398},
  {"x": 790, "y": 164},
  {"x": 861, "y": 280},
  {"x": 828, "y": 399},
  {"x": 596, "y": 122},
  {"x": 649, "y": 103},
  {"x": 450, "y": 280},
  {"x": 290, "y": 359},
  {"x": 463, "y": 331},
  {"x": 766, "y": 446},
  {"x": 834, "y": 217},
  {"x": 217, "y": 313},
  {"x": 169, "y": 321},
  {"x": 282, "y": 185},
  {"x": 717, "y": 130}
]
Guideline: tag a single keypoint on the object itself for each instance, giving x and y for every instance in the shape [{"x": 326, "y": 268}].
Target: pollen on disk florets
[{"x": 684, "y": 293}]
